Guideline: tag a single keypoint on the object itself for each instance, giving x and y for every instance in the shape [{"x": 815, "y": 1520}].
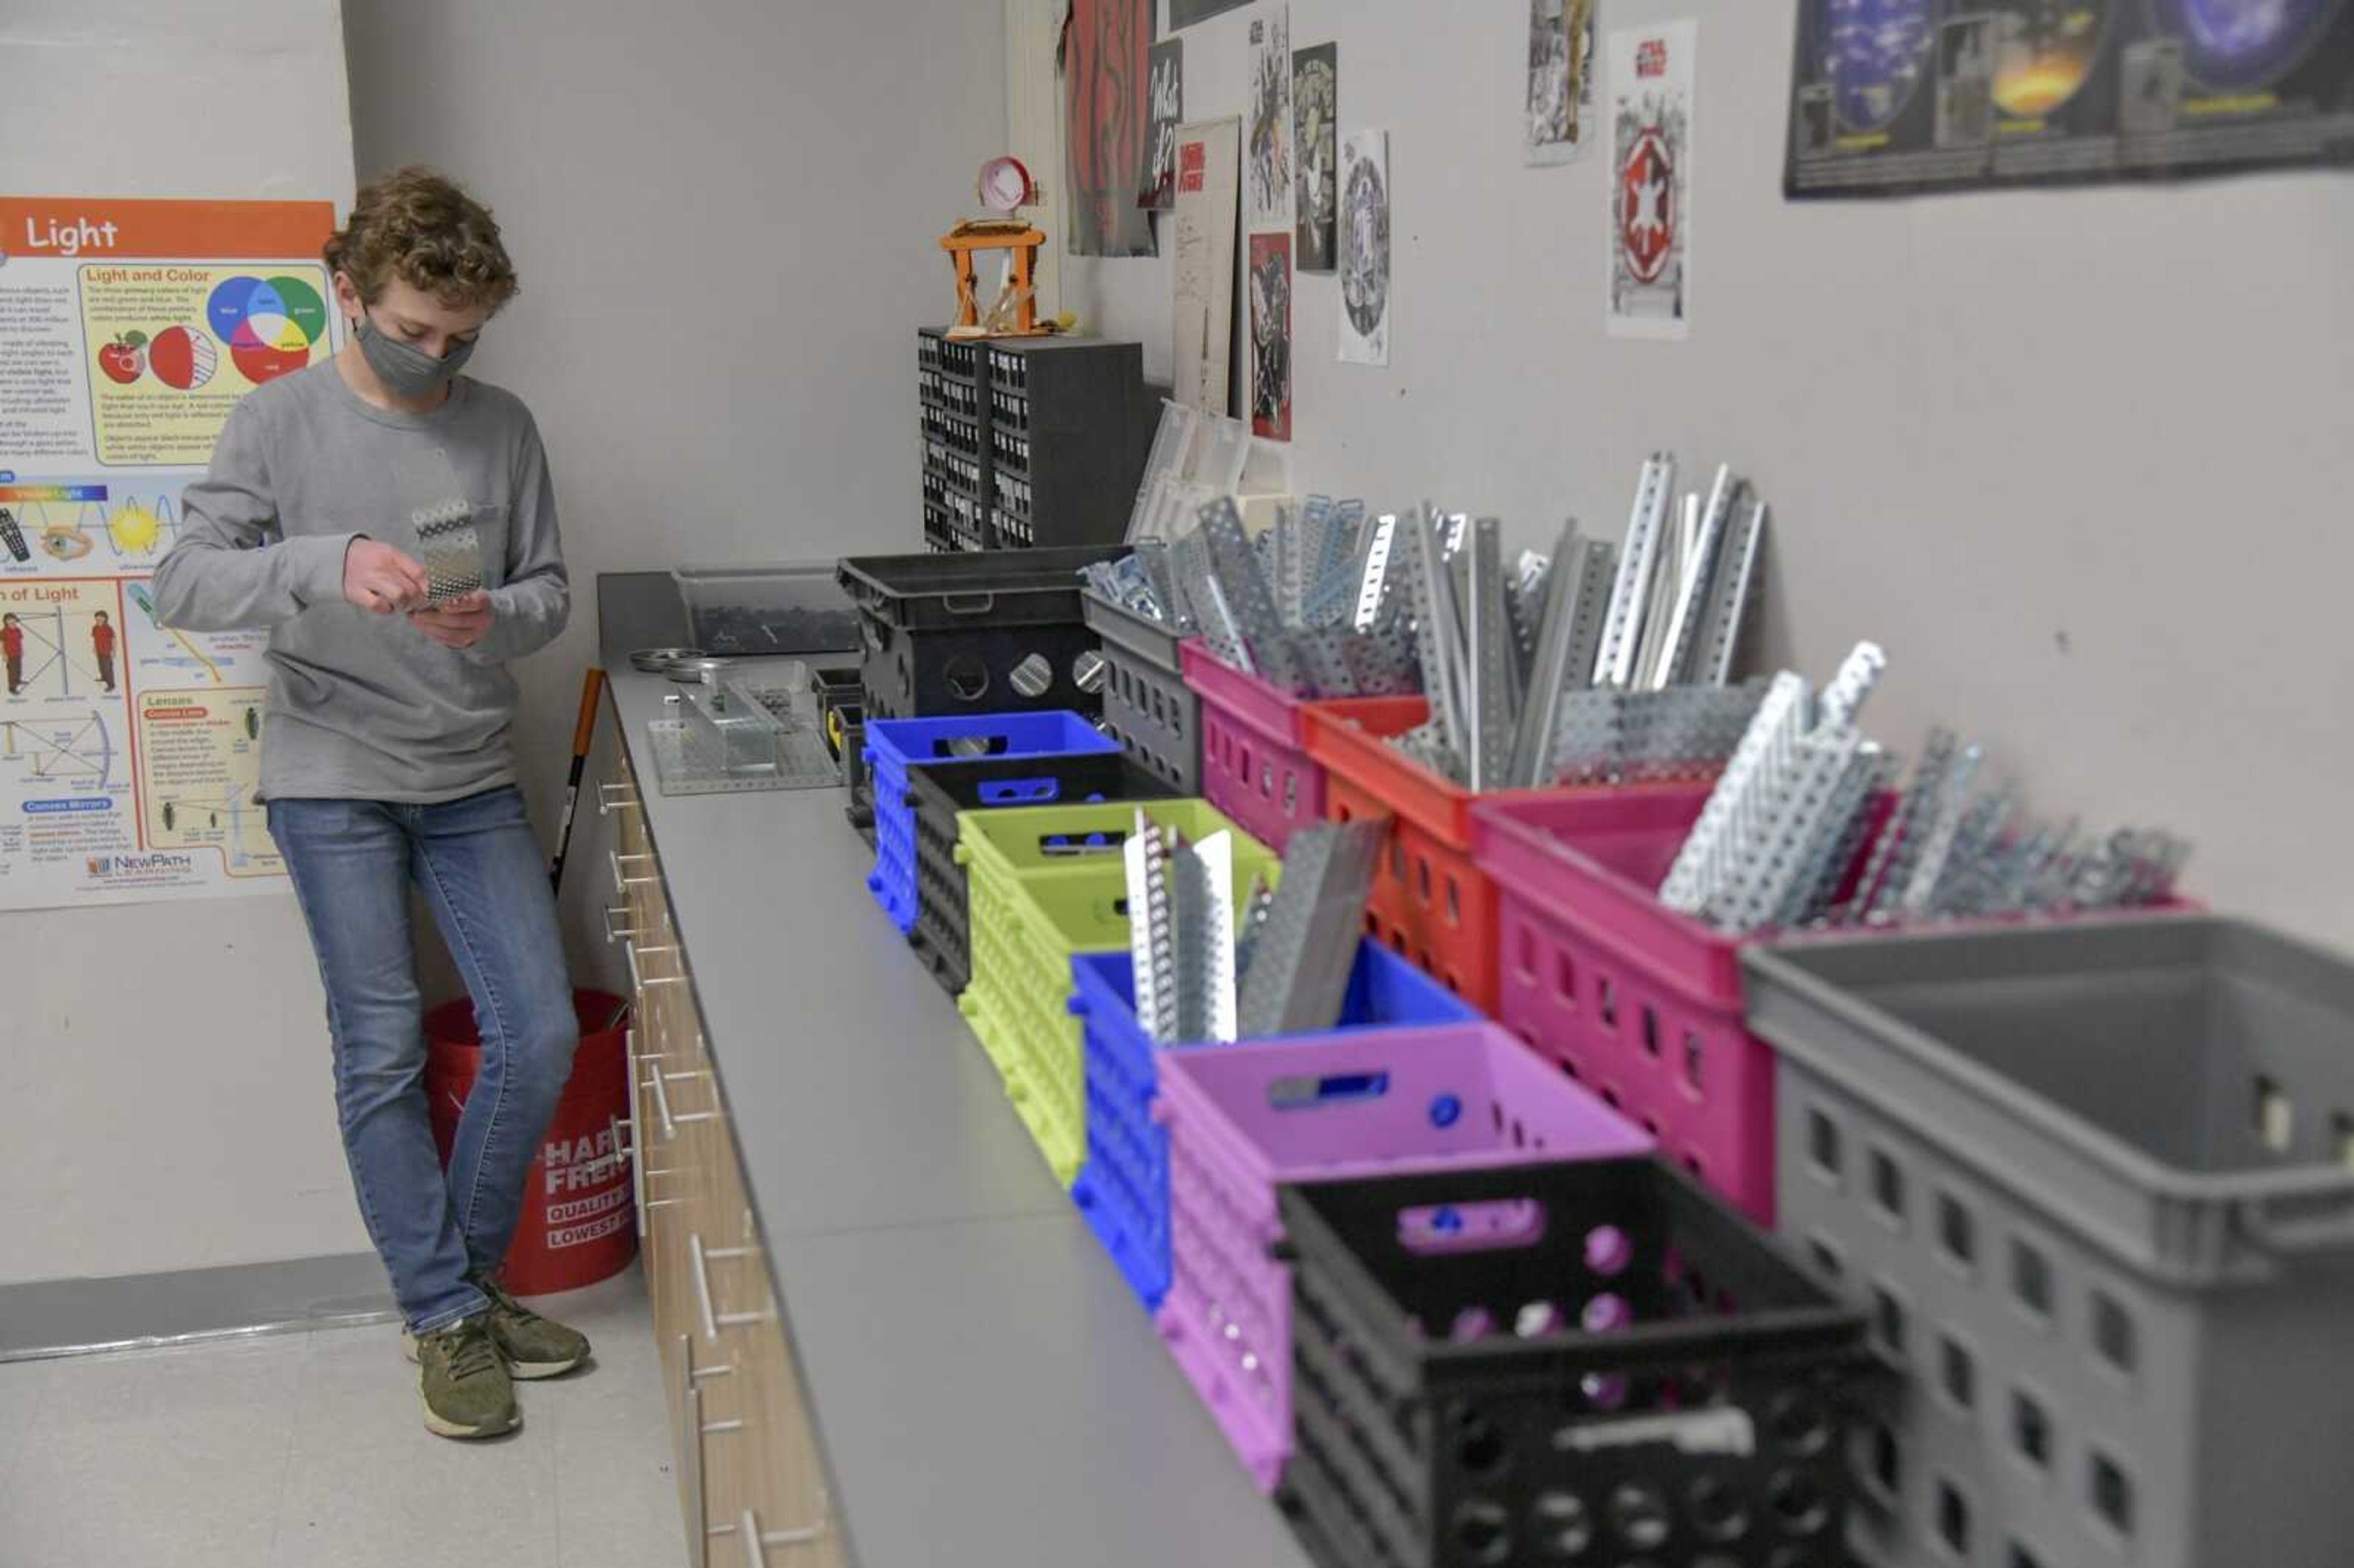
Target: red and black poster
[
  {"x": 1107, "y": 124},
  {"x": 1892, "y": 96}
]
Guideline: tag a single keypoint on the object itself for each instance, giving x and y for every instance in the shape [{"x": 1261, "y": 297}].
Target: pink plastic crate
[
  {"x": 1337, "y": 1107},
  {"x": 1255, "y": 763},
  {"x": 1638, "y": 1002}
]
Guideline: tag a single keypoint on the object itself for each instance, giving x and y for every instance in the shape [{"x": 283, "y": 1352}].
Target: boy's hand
[
  {"x": 381, "y": 578},
  {"x": 461, "y": 623}
]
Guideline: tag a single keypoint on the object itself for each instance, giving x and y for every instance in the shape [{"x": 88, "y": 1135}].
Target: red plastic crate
[
  {"x": 1431, "y": 902},
  {"x": 1255, "y": 767}
]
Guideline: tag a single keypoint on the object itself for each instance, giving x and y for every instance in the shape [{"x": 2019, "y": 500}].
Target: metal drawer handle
[
  {"x": 626, "y": 933},
  {"x": 698, "y": 1258},
  {"x": 662, "y": 1102},
  {"x": 755, "y": 1538},
  {"x": 612, "y": 796},
  {"x": 685, "y": 1117},
  {"x": 630, "y": 951},
  {"x": 621, "y": 882}
]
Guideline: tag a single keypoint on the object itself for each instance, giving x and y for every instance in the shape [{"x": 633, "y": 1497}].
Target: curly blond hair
[{"x": 419, "y": 226}]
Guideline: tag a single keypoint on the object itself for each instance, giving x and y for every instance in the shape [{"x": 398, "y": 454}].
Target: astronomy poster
[
  {"x": 1649, "y": 231},
  {"x": 130, "y": 753},
  {"x": 1107, "y": 121},
  {"x": 1895, "y": 96}
]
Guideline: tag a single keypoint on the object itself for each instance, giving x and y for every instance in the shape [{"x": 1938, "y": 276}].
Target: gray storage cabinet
[{"x": 2096, "y": 1184}]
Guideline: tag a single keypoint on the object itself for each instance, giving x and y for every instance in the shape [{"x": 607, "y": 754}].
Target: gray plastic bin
[
  {"x": 1147, "y": 706},
  {"x": 2095, "y": 1183}
]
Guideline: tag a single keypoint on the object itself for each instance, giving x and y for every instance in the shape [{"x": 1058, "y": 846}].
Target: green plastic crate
[{"x": 1038, "y": 896}]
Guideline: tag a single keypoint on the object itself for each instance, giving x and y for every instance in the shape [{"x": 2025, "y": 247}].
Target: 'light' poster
[{"x": 130, "y": 753}]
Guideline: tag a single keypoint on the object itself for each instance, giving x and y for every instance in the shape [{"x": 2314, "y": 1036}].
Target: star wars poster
[
  {"x": 1365, "y": 248},
  {"x": 1271, "y": 329},
  {"x": 1165, "y": 93},
  {"x": 1107, "y": 121},
  {"x": 1892, "y": 96},
  {"x": 1651, "y": 75},
  {"x": 1315, "y": 96},
  {"x": 1561, "y": 80},
  {"x": 1266, "y": 199}
]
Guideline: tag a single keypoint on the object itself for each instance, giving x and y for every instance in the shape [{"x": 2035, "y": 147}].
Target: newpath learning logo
[{"x": 119, "y": 866}]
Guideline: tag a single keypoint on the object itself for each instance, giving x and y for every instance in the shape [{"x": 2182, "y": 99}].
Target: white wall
[
  {"x": 725, "y": 215},
  {"x": 165, "y": 1066},
  {"x": 2078, "y": 458}
]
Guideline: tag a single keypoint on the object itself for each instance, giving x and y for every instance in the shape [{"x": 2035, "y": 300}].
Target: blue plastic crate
[
  {"x": 892, "y": 744},
  {"x": 1123, "y": 1188}
]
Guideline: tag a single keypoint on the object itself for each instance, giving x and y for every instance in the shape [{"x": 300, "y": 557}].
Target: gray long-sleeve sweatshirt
[{"x": 364, "y": 706}]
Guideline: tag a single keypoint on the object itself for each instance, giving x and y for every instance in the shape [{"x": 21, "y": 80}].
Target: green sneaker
[
  {"x": 534, "y": 1346},
  {"x": 463, "y": 1381}
]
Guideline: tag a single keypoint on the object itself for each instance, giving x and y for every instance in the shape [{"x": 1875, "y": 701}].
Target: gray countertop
[{"x": 985, "y": 1388}]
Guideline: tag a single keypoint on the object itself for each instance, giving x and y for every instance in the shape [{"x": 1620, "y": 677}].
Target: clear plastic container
[{"x": 748, "y": 612}]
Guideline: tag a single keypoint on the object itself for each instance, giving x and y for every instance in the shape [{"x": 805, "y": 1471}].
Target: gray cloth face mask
[{"x": 407, "y": 371}]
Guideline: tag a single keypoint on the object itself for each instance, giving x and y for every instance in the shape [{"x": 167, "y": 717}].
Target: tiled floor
[{"x": 305, "y": 1451}]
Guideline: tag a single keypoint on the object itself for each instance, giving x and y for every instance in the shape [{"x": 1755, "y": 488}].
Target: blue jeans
[{"x": 479, "y": 866}]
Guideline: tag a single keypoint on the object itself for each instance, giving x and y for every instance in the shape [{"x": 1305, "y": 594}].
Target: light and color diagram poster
[
  {"x": 1650, "y": 233},
  {"x": 130, "y": 753},
  {"x": 1201, "y": 318},
  {"x": 1896, "y": 96}
]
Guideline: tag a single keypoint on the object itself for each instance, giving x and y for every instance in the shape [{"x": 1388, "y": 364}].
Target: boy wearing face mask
[{"x": 386, "y": 759}]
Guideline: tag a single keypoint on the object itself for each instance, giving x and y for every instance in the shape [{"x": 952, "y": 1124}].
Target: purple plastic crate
[{"x": 1243, "y": 1119}]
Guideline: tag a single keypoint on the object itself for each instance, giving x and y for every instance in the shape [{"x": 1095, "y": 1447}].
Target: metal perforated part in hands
[
  {"x": 450, "y": 549},
  {"x": 1299, "y": 974}
]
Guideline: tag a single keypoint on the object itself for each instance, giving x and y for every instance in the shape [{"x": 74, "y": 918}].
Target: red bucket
[{"x": 578, "y": 1223}]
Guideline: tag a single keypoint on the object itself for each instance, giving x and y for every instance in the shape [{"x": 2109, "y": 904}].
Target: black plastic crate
[
  {"x": 1148, "y": 707},
  {"x": 946, "y": 634},
  {"x": 942, "y": 935},
  {"x": 1597, "y": 1361}
]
